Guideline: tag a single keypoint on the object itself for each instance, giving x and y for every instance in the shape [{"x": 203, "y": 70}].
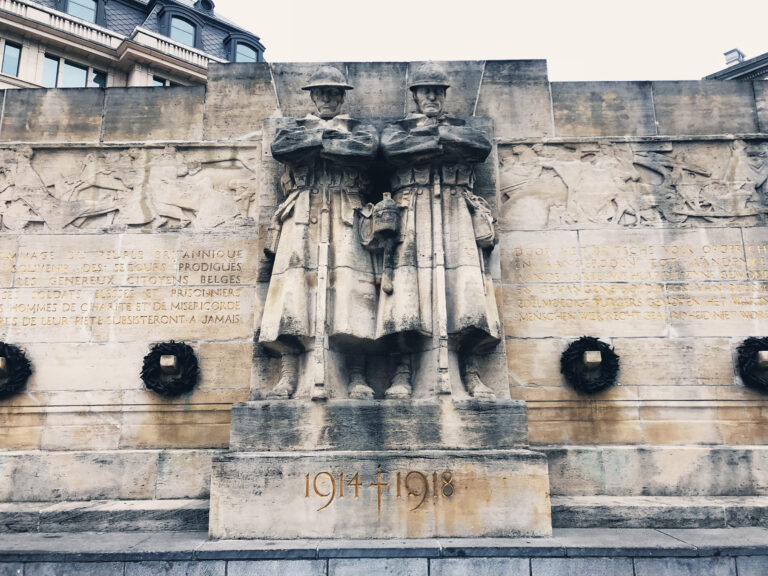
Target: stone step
[
  {"x": 104, "y": 516},
  {"x": 659, "y": 511}
]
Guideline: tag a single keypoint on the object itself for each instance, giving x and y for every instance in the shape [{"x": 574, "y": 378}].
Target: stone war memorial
[{"x": 385, "y": 317}]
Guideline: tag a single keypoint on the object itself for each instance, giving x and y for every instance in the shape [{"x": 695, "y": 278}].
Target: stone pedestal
[{"x": 379, "y": 469}]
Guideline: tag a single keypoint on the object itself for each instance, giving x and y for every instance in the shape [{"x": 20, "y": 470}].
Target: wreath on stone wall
[
  {"x": 18, "y": 370},
  {"x": 585, "y": 380},
  {"x": 170, "y": 385},
  {"x": 750, "y": 371}
]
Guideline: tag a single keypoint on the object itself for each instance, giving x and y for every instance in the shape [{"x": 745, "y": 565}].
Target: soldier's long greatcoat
[
  {"x": 325, "y": 164},
  {"x": 428, "y": 150}
]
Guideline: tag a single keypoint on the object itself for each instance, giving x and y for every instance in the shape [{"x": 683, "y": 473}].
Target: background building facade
[{"x": 106, "y": 43}]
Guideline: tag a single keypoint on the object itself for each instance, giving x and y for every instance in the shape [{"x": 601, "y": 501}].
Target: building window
[
  {"x": 51, "y": 71},
  {"x": 182, "y": 31},
  {"x": 61, "y": 73},
  {"x": 182, "y": 25},
  {"x": 245, "y": 53},
  {"x": 11, "y": 58},
  {"x": 85, "y": 9},
  {"x": 243, "y": 48},
  {"x": 88, "y": 10}
]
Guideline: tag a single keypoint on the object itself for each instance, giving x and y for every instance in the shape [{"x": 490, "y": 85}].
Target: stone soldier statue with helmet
[
  {"x": 440, "y": 293},
  {"x": 322, "y": 290}
]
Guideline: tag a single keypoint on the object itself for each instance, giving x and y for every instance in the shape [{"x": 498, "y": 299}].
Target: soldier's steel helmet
[
  {"x": 328, "y": 76},
  {"x": 429, "y": 74}
]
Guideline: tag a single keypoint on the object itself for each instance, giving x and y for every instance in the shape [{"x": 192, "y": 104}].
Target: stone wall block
[
  {"x": 579, "y": 566},
  {"x": 704, "y": 107},
  {"x": 603, "y": 109},
  {"x": 238, "y": 99},
  {"x": 147, "y": 114},
  {"x": 761, "y": 101},
  {"x": 276, "y": 568},
  {"x": 685, "y": 566},
  {"x": 516, "y": 95},
  {"x": 380, "y": 89},
  {"x": 198, "y": 568},
  {"x": 399, "y": 566},
  {"x": 63, "y": 115}
]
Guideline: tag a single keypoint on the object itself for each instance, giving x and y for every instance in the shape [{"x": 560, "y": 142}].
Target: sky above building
[{"x": 584, "y": 40}]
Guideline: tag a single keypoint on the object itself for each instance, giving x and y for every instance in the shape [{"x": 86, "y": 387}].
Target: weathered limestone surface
[
  {"x": 143, "y": 114},
  {"x": 52, "y": 116},
  {"x": 634, "y": 212},
  {"x": 390, "y": 425},
  {"x": 603, "y": 108},
  {"x": 479, "y": 493}
]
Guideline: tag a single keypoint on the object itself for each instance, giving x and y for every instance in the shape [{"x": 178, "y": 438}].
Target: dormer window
[
  {"x": 88, "y": 10},
  {"x": 182, "y": 25},
  {"x": 182, "y": 31},
  {"x": 245, "y": 53},
  {"x": 244, "y": 48},
  {"x": 205, "y": 5},
  {"x": 85, "y": 9}
]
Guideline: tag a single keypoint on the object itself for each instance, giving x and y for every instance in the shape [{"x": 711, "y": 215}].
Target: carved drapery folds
[{"x": 379, "y": 252}]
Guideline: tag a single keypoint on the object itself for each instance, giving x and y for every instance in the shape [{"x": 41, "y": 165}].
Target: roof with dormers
[{"x": 123, "y": 16}]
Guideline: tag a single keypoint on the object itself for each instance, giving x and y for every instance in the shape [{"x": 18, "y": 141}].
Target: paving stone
[
  {"x": 73, "y": 568},
  {"x": 685, "y": 567},
  {"x": 169, "y": 546},
  {"x": 199, "y": 568},
  {"x": 752, "y": 565},
  {"x": 620, "y": 542},
  {"x": 378, "y": 566},
  {"x": 582, "y": 567},
  {"x": 724, "y": 542},
  {"x": 277, "y": 568},
  {"x": 490, "y": 547},
  {"x": 11, "y": 569},
  {"x": 396, "y": 548},
  {"x": 64, "y": 547},
  {"x": 638, "y": 512},
  {"x": 19, "y": 517},
  {"x": 262, "y": 549},
  {"x": 480, "y": 567},
  {"x": 126, "y": 515}
]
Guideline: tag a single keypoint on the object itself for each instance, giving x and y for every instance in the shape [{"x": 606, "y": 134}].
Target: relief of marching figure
[
  {"x": 405, "y": 278},
  {"x": 633, "y": 184}
]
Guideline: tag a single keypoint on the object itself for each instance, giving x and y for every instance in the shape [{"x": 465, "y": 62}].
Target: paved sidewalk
[{"x": 603, "y": 552}]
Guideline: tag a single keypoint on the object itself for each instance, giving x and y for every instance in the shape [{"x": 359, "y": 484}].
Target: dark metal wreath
[
  {"x": 582, "y": 379},
  {"x": 170, "y": 385},
  {"x": 17, "y": 370},
  {"x": 750, "y": 371}
]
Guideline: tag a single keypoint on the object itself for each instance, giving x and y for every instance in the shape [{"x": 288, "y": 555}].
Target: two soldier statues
[{"x": 360, "y": 274}]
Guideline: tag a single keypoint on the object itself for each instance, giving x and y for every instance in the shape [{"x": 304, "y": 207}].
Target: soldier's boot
[
  {"x": 471, "y": 378},
  {"x": 358, "y": 387},
  {"x": 289, "y": 377},
  {"x": 400, "y": 385}
]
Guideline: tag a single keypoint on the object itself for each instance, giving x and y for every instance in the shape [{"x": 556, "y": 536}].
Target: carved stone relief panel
[
  {"x": 633, "y": 184},
  {"x": 119, "y": 189}
]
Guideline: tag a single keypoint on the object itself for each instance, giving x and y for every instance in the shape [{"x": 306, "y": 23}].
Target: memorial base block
[
  {"x": 451, "y": 481},
  {"x": 494, "y": 493}
]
